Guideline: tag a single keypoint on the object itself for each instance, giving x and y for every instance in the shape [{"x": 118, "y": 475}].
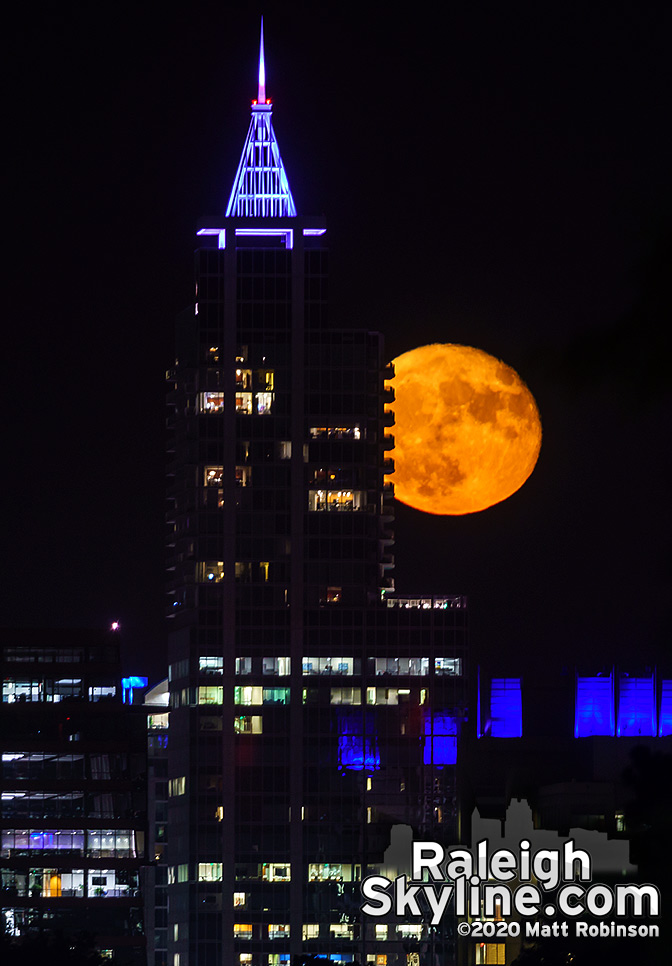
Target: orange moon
[{"x": 467, "y": 430}]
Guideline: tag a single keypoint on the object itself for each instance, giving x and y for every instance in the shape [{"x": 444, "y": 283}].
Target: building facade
[
  {"x": 311, "y": 708},
  {"x": 73, "y": 790}
]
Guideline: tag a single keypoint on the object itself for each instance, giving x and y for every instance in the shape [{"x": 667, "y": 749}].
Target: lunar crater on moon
[{"x": 467, "y": 429}]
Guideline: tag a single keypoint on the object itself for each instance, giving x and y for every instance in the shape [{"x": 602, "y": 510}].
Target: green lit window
[{"x": 209, "y": 871}]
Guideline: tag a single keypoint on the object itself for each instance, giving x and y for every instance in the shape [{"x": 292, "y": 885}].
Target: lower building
[
  {"x": 73, "y": 788},
  {"x": 155, "y": 875}
]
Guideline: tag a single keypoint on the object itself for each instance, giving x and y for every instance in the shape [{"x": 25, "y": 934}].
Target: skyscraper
[
  {"x": 72, "y": 793},
  {"x": 312, "y": 709}
]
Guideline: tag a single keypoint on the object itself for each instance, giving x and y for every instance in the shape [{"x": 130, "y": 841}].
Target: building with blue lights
[
  {"x": 73, "y": 791},
  {"x": 565, "y": 743},
  {"x": 311, "y": 708}
]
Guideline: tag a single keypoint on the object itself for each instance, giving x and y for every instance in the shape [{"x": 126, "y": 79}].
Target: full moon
[{"x": 467, "y": 430}]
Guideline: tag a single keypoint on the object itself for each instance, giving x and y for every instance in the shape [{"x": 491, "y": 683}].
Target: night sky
[{"x": 492, "y": 174}]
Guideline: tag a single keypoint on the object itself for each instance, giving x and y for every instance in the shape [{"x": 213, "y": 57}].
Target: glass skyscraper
[{"x": 312, "y": 709}]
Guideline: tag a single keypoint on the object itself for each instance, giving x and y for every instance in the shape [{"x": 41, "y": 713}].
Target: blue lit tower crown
[{"x": 261, "y": 188}]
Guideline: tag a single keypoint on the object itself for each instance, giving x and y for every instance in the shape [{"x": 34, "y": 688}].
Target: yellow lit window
[
  {"x": 276, "y": 872},
  {"x": 490, "y": 954},
  {"x": 265, "y": 378},
  {"x": 211, "y": 694},
  {"x": 213, "y": 475},
  {"x": 210, "y": 571},
  {"x": 244, "y": 402},
  {"x": 335, "y": 499},
  {"x": 243, "y": 475},
  {"x": 243, "y": 378},
  {"x": 242, "y": 930}
]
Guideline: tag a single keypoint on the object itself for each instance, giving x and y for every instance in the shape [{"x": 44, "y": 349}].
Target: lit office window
[
  {"x": 330, "y": 665},
  {"x": 276, "y": 696},
  {"x": 346, "y": 696},
  {"x": 211, "y": 665},
  {"x": 490, "y": 954},
  {"x": 243, "y": 475},
  {"x": 211, "y": 402},
  {"x": 213, "y": 475},
  {"x": 209, "y": 571},
  {"x": 264, "y": 401},
  {"x": 329, "y": 500},
  {"x": 211, "y": 694},
  {"x": 448, "y": 666},
  {"x": 247, "y": 724},
  {"x": 244, "y": 403},
  {"x": 280, "y": 666},
  {"x": 336, "y": 432},
  {"x": 399, "y": 666},
  {"x": 248, "y": 695},
  {"x": 266, "y": 379},
  {"x": 329, "y": 872},
  {"x": 209, "y": 871},
  {"x": 276, "y": 872},
  {"x": 277, "y": 930}
]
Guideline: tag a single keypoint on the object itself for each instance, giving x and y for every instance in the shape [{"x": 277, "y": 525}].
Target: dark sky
[{"x": 492, "y": 174}]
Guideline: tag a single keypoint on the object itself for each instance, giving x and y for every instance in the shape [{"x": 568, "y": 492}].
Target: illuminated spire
[
  {"x": 262, "y": 68},
  {"x": 261, "y": 188}
]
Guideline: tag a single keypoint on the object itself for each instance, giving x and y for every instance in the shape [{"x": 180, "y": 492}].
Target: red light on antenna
[
  {"x": 268, "y": 100},
  {"x": 254, "y": 101}
]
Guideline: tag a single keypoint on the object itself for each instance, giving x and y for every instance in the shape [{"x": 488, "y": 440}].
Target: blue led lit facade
[
  {"x": 665, "y": 717},
  {"x": 594, "y": 713},
  {"x": 499, "y": 708},
  {"x": 441, "y": 732},
  {"x": 636, "y": 706},
  {"x": 506, "y": 708},
  {"x": 357, "y": 741}
]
